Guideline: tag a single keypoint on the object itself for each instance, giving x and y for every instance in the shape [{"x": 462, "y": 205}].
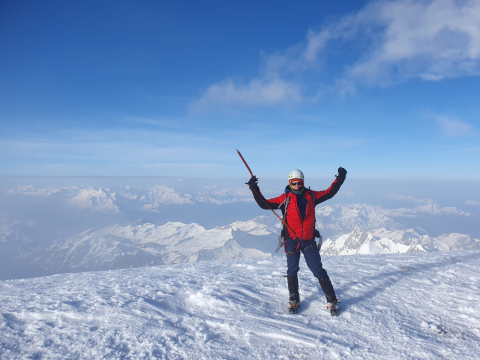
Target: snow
[
  {"x": 161, "y": 195},
  {"x": 419, "y": 305},
  {"x": 139, "y": 244},
  {"x": 385, "y": 241},
  {"x": 96, "y": 200},
  {"x": 337, "y": 218}
]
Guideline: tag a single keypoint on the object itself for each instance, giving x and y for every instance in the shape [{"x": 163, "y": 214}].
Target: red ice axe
[
  {"x": 241, "y": 157},
  {"x": 261, "y": 196}
]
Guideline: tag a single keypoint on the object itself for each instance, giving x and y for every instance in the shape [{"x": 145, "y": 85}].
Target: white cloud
[
  {"x": 401, "y": 40},
  {"x": 260, "y": 91},
  {"x": 31, "y": 190},
  {"x": 426, "y": 206},
  {"x": 409, "y": 199},
  {"x": 215, "y": 190},
  {"x": 434, "y": 209},
  {"x": 472, "y": 203},
  {"x": 431, "y": 40},
  {"x": 454, "y": 127}
]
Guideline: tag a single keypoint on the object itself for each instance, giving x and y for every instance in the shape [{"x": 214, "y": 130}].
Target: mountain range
[{"x": 346, "y": 230}]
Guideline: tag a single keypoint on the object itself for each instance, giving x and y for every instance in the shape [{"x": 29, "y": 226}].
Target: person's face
[{"x": 296, "y": 185}]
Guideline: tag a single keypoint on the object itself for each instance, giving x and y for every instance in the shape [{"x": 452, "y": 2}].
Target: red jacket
[{"x": 302, "y": 228}]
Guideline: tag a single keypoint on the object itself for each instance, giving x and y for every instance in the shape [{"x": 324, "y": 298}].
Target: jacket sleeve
[
  {"x": 321, "y": 196},
  {"x": 274, "y": 203}
]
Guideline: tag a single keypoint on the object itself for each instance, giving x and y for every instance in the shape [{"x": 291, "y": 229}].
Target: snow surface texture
[{"x": 420, "y": 306}]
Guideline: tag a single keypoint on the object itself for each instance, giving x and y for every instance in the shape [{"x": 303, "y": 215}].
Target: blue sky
[{"x": 384, "y": 89}]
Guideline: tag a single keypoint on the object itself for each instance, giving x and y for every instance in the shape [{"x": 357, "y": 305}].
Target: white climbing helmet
[{"x": 296, "y": 174}]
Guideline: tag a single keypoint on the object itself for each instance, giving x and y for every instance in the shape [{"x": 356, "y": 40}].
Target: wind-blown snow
[{"x": 420, "y": 306}]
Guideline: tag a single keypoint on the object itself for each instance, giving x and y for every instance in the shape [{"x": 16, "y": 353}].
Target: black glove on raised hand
[
  {"x": 342, "y": 174},
  {"x": 253, "y": 184}
]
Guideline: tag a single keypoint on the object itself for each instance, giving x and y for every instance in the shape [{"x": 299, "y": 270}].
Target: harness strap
[
  {"x": 285, "y": 203},
  {"x": 288, "y": 252}
]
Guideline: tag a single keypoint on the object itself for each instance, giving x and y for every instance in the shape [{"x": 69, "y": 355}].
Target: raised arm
[
  {"x": 274, "y": 203},
  {"x": 321, "y": 196}
]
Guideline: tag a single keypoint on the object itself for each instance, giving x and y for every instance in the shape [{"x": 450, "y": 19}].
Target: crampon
[
  {"x": 333, "y": 307},
  {"x": 293, "y": 307}
]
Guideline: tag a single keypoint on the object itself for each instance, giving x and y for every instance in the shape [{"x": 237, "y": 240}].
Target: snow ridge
[{"x": 117, "y": 247}]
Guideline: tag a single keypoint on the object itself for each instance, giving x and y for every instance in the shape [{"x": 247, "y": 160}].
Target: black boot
[
  {"x": 294, "y": 296},
  {"x": 293, "y": 288},
  {"x": 332, "y": 301},
  {"x": 327, "y": 288}
]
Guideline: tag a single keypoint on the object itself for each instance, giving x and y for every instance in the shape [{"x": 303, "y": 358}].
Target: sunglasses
[{"x": 297, "y": 183}]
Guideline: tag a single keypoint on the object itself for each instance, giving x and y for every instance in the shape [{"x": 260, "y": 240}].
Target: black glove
[
  {"x": 253, "y": 184},
  {"x": 342, "y": 174}
]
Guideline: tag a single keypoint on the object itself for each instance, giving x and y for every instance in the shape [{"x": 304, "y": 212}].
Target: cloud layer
[{"x": 409, "y": 199}]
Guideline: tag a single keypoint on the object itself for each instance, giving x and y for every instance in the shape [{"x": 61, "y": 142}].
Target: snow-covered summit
[
  {"x": 97, "y": 200},
  {"x": 261, "y": 225},
  {"x": 411, "y": 306},
  {"x": 161, "y": 195}
]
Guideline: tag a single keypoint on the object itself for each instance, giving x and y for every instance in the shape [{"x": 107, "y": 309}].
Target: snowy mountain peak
[
  {"x": 158, "y": 195},
  {"x": 346, "y": 244},
  {"x": 95, "y": 200},
  {"x": 383, "y": 241}
]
